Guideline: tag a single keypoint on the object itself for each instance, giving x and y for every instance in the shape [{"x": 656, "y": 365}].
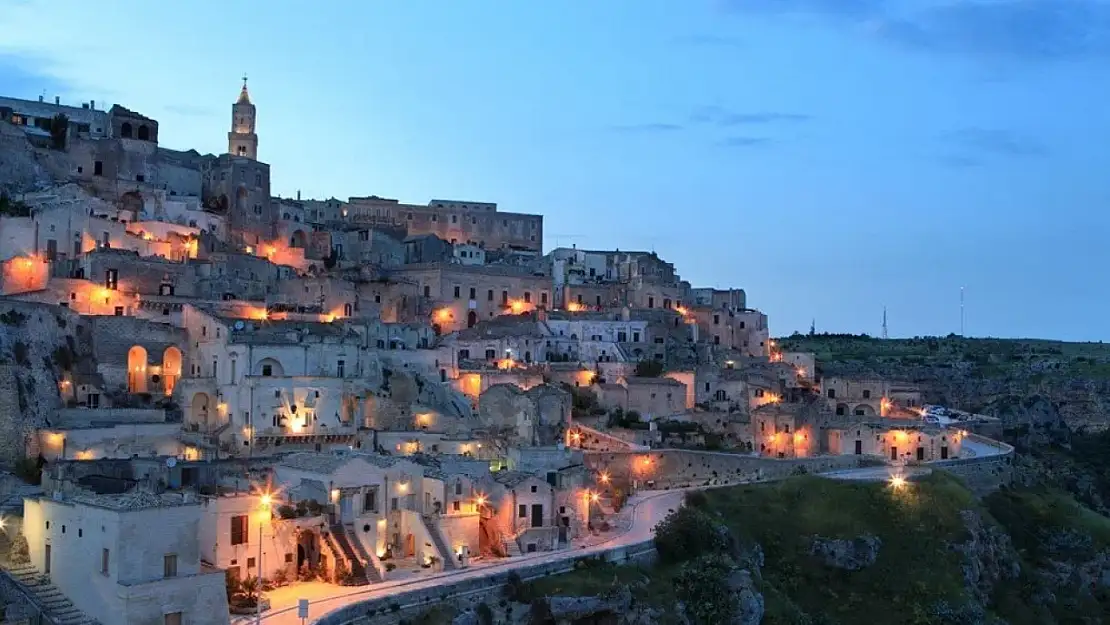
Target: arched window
[
  {"x": 125, "y": 130},
  {"x": 144, "y": 133}
]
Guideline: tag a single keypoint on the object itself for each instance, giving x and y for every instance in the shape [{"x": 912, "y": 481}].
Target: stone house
[
  {"x": 867, "y": 397},
  {"x": 913, "y": 443},
  {"x": 522, "y": 507},
  {"x": 100, "y": 552}
]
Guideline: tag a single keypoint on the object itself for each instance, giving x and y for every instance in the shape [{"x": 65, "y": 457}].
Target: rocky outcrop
[
  {"x": 989, "y": 557},
  {"x": 714, "y": 590},
  {"x": 849, "y": 555}
]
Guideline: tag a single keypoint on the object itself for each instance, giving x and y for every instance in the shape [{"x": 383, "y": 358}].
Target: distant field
[{"x": 991, "y": 357}]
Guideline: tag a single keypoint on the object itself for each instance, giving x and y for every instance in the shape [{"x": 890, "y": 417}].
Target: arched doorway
[
  {"x": 136, "y": 369},
  {"x": 198, "y": 410},
  {"x": 864, "y": 410},
  {"x": 125, "y": 130},
  {"x": 144, "y": 133},
  {"x": 171, "y": 369},
  {"x": 299, "y": 240},
  {"x": 471, "y": 319}
]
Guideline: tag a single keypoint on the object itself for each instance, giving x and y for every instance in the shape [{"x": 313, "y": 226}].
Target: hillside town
[{"x": 218, "y": 401}]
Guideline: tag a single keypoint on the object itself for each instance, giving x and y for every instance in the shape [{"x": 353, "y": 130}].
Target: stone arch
[
  {"x": 171, "y": 368},
  {"x": 842, "y": 409},
  {"x": 144, "y": 133},
  {"x": 199, "y": 408},
  {"x": 136, "y": 369},
  {"x": 864, "y": 410},
  {"x": 299, "y": 240},
  {"x": 125, "y": 130},
  {"x": 269, "y": 367},
  {"x": 132, "y": 201}
]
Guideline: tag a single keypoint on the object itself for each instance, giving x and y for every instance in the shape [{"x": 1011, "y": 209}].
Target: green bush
[
  {"x": 702, "y": 584},
  {"x": 690, "y": 532}
]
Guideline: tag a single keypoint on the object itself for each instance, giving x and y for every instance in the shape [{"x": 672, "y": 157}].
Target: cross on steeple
[{"x": 244, "y": 79}]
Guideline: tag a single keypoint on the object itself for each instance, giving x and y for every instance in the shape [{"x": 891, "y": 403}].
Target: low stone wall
[
  {"x": 679, "y": 468},
  {"x": 469, "y": 592},
  {"x": 82, "y": 417},
  {"x": 985, "y": 474}
]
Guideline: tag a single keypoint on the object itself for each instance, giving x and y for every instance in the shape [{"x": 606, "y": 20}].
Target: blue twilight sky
[{"x": 829, "y": 156}]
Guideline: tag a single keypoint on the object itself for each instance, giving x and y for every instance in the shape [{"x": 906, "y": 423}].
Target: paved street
[{"x": 648, "y": 508}]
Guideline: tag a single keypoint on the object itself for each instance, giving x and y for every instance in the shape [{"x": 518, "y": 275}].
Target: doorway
[
  {"x": 537, "y": 515},
  {"x": 471, "y": 319},
  {"x": 46, "y": 560},
  {"x": 346, "y": 509},
  {"x": 893, "y": 453},
  {"x": 944, "y": 453},
  {"x": 920, "y": 454},
  {"x": 410, "y": 545},
  {"x": 859, "y": 448}
]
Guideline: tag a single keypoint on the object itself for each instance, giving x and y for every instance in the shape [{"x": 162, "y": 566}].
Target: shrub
[
  {"x": 688, "y": 533},
  {"x": 19, "y": 349},
  {"x": 13, "y": 318},
  {"x": 702, "y": 584},
  {"x": 649, "y": 368}
]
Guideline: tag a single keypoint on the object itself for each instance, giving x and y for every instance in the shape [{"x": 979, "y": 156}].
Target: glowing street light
[
  {"x": 604, "y": 477},
  {"x": 897, "y": 482}
]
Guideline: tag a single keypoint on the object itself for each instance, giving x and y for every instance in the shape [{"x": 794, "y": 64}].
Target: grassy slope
[{"x": 914, "y": 567}]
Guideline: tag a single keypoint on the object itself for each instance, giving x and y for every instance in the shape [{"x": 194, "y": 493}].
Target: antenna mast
[
  {"x": 961, "y": 311},
  {"x": 884, "y": 323}
]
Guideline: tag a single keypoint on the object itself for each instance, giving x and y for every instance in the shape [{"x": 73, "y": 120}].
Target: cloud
[
  {"x": 997, "y": 142},
  {"x": 1023, "y": 30},
  {"x": 21, "y": 82},
  {"x": 744, "y": 142},
  {"x": 647, "y": 128},
  {"x": 956, "y": 161},
  {"x": 721, "y": 117}
]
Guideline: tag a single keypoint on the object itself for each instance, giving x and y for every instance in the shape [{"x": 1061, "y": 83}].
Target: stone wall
[
  {"x": 465, "y": 593},
  {"x": 985, "y": 474},
  {"x": 673, "y": 468}
]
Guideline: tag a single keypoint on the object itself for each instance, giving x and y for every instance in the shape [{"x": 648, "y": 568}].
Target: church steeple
[
  {"x": 244, "y": 95},
  {"x": 242, "y": 140}
]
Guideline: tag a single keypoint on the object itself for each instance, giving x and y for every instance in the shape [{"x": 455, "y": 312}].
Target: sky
[{"x": 830, "y": 157}]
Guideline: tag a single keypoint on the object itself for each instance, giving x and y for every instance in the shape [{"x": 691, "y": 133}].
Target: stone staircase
[
  {"x": 57, "y": 609},
  {"x": 370, "y": 562},
  {"x": 445, "y": 554},
  {"x": 511, "y": 547},
  {"x": 338, "y": 536}
]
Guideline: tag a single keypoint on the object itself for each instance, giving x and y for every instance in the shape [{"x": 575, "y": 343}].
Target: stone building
[
  {"x": 475, "y": 223},
  {"x": 515, "y": 417},
  {"x": 867, "y": 397},
  {"x": 100, "y": 552},
  {"x": 907, "y": 444},
  {"x": 460, "y": 296}
]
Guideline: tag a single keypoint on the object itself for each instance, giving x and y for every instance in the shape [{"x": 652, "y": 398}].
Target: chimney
[
  {"x": 92, "y": 104},
  {"x": 85, "y": 105},
  {"x": 58, "y": 100},
  {"x": 40, "y": 98},
  {"x": 298, "y": 195}
]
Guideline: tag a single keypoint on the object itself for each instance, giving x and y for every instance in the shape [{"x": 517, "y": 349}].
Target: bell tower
[{"x": 242, "y": 140}]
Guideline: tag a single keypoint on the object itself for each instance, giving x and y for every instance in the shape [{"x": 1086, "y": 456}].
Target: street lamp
[{"x": 264, "y": 504}]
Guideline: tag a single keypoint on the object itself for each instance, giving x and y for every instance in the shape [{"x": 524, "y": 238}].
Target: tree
[
  {"x": 649, "y": 368},
  {"x": 688, "y": 533},
  {"x": 59, "y": 131}
]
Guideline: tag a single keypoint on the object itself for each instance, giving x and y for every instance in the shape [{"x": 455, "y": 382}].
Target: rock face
[
  {"x": 575, "y": 609},
  {"x": 849, "y": 555},
  {"x": 989, "y": 557},
  {"x": 748, "y": 600}
]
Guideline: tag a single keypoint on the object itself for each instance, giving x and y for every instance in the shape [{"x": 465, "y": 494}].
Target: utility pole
[{"x": 961, "y": 311}]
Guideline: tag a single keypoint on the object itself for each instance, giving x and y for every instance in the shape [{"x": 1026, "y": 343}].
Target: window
[
  {"x": 250, "y": 563},
  {"x": 527, "y": 297},
  {"x": 427, "y": 291},
  {"x": 504, "y": 298},
  {"x": 832, "y": 393},
  {"x": 239, "y": 529},
  {"x": 370, "y": 500},
  {"x": 104, "y": 560},
  {"x": 340, "y": 369},
  {"x": 455, "y": 506},
  {"x": 267, "y": 371},
  {"x": 458, "y": 487},
  {"x": 457, "y": 293},
  {"x": 140, "y": 178},
  {"x": 867, "y": 394},
  {"x": 716, "y": 320},
  {"x": 169, "y": 565},
  {"x": 489, "y": 296},
  {"x": 98, "y": 168},
  {"x": 651, "y": 302},
  {"x": 93, "y": 400},
  {"x": 535, "y": 488},
  {"x": 543, "y": 298},
  {"x": 522, "y": 511},
  {"x": 111, "y": 279},
  {"x": 454, "y": 219},
  {"x": 473, "y": 293},
  {"x": 173, "y": 618}
]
